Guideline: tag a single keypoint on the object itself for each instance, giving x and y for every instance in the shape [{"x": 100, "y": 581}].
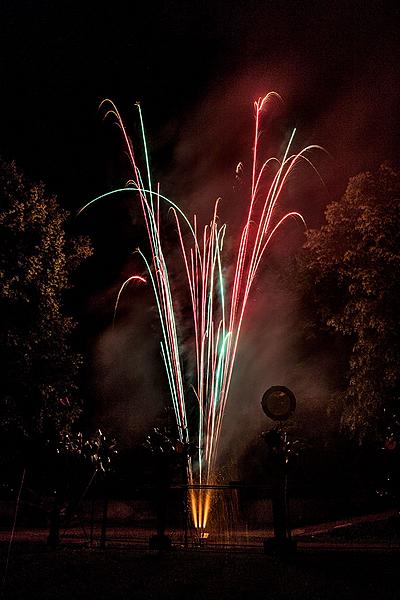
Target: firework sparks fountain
[{"x": 218, "y": 306}]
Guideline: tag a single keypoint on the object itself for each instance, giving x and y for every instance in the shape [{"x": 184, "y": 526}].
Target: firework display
[{"x": 217, "y": 302}]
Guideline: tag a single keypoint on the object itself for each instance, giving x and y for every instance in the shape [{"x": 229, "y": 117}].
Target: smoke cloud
[{"x": 342, "y": 100}]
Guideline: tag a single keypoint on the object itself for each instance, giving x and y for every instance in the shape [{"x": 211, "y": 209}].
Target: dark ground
[
  {"x": 344, "y": 561},
  {"x": 76, "y": 573}
]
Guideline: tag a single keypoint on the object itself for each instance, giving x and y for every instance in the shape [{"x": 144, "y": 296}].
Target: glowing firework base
[{"x": 200, "y": 503}]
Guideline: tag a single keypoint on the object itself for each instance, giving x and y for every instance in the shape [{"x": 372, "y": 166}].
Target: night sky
[{"x": 196, "y": 68}]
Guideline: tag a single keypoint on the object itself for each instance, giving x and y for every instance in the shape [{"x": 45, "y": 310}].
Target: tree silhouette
[
  {"x": 350, "y": 274},
  {"x": 38, "y": 387}
]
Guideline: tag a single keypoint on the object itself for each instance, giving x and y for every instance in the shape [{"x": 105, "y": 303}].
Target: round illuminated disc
[{"x": 278, "y": 403}]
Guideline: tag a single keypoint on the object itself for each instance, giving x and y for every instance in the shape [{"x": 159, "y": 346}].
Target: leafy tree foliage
[
  {"x": 38, "y": 388},
  {"x": 351, "y": 273}
]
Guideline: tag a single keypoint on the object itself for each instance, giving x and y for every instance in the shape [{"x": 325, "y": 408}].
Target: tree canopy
[
  {"x": 350, "y": 273},
  {"x": 38, "y": 389}
]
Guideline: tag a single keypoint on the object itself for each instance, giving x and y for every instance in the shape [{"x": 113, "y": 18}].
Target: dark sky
[{"x": 195, "y": 67}]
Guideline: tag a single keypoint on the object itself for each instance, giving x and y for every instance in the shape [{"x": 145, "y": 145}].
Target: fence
[{"x": 238, "y": 515}]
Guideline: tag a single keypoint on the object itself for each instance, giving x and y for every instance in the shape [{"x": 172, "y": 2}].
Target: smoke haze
[{"x": 340, "y": 95}]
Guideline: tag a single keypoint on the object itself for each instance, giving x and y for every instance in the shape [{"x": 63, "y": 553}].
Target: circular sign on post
[{"x": 278, "y": 403}]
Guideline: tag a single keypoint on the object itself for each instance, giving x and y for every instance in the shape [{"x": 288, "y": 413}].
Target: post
[
  {"x": 103, "y": 536},
  {"x": 186, "y": 516},
  {"x": 282, "y": 543},
  {"x": 278, "y": 403},
  {"x": 161, "y": 541},
  {"x": 53, "y": 539},
  {"x": 92, "y": 522}
]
